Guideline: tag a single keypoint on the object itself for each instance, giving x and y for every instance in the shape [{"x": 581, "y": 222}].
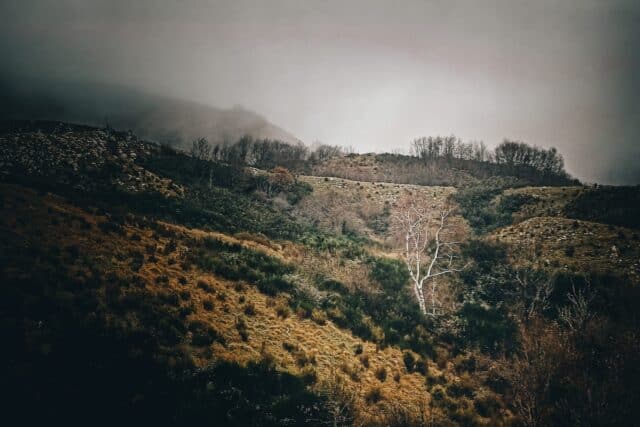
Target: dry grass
[
  {"x": 573, "y": 245},
  {"x": 336, "y": 201},
  {"x": 248, "y": 336},
  {"x": 549, "y": 201}
]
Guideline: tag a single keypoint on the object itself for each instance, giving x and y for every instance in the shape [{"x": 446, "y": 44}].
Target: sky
[{"x": 365, "y": 73}]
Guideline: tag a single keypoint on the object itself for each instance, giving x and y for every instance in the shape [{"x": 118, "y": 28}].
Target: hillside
[
  {"x": 152, "y": 117},
  {"x": 435, "y": 170},
  {"x": 124, "y": 265},
  {"x": 173, "y": 290}
]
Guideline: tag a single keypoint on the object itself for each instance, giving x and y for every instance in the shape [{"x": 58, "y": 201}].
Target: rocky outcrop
[{"x": 86, "y": 158}]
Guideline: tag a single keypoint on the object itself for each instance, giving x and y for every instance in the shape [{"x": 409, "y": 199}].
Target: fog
[{"x": 369, "y": 74}]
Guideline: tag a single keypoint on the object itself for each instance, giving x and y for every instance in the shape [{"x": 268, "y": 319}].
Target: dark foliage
[
  {"x": 608, "y": 205},
  {"x": 65, "y": 360},
  {"x": 394, "y": 309},
  {"x": 476, "y": 204},
  {"x": 234, "y": 262}
]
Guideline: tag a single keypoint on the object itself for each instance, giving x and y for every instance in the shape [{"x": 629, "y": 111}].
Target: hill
[
  {"x": 152, "y": 117},
  {"x": 119, "y": 234},
  {"x": 173, "y": 289}
]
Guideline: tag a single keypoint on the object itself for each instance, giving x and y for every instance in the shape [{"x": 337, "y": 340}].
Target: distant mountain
[{"x": 158, "y": 118}]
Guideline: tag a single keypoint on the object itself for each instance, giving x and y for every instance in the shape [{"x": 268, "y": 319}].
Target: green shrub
[
  {"x": 333, "y": 285},
  {"x": 237, "y": 263},
  {"x": 476, "y": 204},
  {"x": 608, "y": 205},
  {"x": 391, "y": 274},
  {"x": 298, "y": 191}
]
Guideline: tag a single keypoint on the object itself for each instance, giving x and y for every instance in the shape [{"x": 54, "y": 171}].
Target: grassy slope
[
  {"x": 544, "y": 235},
  {"x": 323, "y": 349},
  {"x": 250, "y": 325}
]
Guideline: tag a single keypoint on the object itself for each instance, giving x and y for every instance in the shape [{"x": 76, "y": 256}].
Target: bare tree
[
  {"x": 576, "y": 314},
  {"x": 429, "y": 251},
  {"x": 535, "y": 290},
  {"x": 530, "y": 372}
]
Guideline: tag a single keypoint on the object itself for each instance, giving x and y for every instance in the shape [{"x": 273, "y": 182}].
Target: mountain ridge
[{"x": 160, "y": 118}]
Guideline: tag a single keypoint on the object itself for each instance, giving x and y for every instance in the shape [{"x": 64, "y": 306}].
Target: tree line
[
  {"x": 509, "y": 153},
  {"x": 247, "y": 151},
  {"x": 509, "y": 158}
]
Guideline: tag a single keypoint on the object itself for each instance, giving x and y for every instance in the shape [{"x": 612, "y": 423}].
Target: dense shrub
[
  {"x": 234, "y": 262},
  {"x": 476, "y": 203},
  {"x": 298, "y": 191},
  {"x": 204, "y": 335},
  {"x": 391, "y": 274},
  {"x": 608, "y": 205},
  {"x": 390, "y": 317}
]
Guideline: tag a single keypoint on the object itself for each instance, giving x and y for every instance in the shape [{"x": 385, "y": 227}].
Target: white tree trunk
[
  {"x": 422, "y": 263},
  {"x": 420, "y": 297}
]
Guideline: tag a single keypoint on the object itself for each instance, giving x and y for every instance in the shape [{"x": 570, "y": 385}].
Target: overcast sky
[{"x": 371, "y": 74}]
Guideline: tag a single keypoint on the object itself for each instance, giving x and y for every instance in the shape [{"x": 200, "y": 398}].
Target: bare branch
[{"x": 427, "y": 254}]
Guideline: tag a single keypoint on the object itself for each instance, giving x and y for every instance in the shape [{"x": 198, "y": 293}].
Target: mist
[{"x": 367, "y": 74}]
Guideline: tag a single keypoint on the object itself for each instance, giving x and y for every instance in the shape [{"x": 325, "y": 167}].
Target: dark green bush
[
  {"x": 608, "y": 205},
  {"x": 409, "y": 361},
  {"x": 391, "y": 274}
]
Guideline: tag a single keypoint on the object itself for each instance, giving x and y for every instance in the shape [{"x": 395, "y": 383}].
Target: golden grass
[{"x": 321, "y": 348}]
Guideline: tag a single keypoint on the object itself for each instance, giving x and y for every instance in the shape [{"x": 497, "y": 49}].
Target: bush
[
  {"x": 373, "y": 396},
  {"x": 309, "y": 376},
  {"x": 162, "y": 279},
  {"x": 391, "y": 274},
  {"x": 476, "y": 204},
  {"x": 207, "y": 305},
  {"x": 244, "y": 264},
  {"x": 298, "y": 191},
  {"x": 409, "y": 361},
  {"x": 489, "y": 327},
  {"x": 205, "y": 286},
  {"x": 364, "y": 359},
  {"x": 241, "y": 327},
  {"x": 333, "y": 285},
  {"x": 319, "y": 317},
  {"x": 204, "y": 335},
  {"x": 283, "y": 311},
  {"x": 608, "y": 205},
  {"x": 357, "y": 349},
  {"x": 250, "y": 309},
  {"x": 438, "y": 393},
  {"x": 289, "y": 347}
]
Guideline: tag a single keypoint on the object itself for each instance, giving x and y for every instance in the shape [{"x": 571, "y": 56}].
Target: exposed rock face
[{"x": 83, "y": 157}]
